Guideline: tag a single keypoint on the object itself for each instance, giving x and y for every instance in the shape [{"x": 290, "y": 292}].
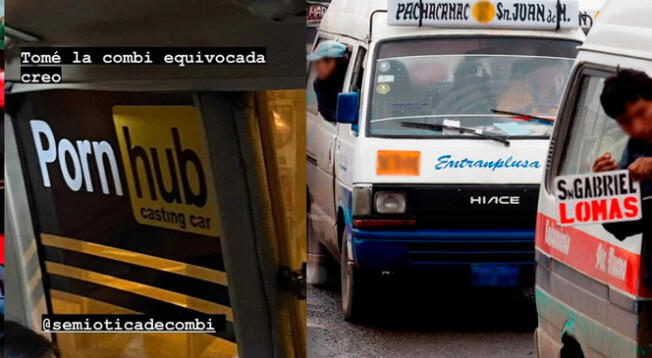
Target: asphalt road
[{"x": 407, "y": 321}]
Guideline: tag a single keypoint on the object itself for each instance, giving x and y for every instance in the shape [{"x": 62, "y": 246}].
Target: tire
[{"x": 354, "y": 286}]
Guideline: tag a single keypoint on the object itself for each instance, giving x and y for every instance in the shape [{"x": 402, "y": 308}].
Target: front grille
[
  {"x": 514, "y": 220},
  {"x": 442, "y": 206}
]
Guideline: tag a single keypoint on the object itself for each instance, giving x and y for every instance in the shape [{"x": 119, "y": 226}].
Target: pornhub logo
[{"x": 165, "y": 162}]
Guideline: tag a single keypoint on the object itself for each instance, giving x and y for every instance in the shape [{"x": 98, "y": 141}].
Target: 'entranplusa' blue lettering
[{"x": 447, "y": 162}]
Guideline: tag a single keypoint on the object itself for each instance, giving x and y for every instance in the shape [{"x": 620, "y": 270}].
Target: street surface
[{"x": 472, "y": 324}]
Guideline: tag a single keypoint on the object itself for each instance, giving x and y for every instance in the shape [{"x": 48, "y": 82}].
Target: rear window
[{"x": 592, "y": 132}]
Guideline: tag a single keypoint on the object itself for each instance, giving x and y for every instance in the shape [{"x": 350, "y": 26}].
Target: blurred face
[
  {"x": 424, "y": 73},
  {"x": 552, "y": 78},
  {"x": 324, "y": 67},
  {"x": 637, "y": 120}
]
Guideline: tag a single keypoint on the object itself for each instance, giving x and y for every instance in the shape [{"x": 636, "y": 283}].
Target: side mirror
[{"x": 348, "y": 107}]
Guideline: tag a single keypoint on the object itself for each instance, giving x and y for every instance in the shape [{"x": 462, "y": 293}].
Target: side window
[
  {"x": 358, "y": 70},
  {"x": 592, "y": 132},
  {"x": 311, "y": 96}
]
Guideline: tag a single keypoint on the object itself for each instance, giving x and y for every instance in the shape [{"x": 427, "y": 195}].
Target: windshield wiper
[
  {"x": 544, "y": 119},
  {"x": 438, "y": 127}
]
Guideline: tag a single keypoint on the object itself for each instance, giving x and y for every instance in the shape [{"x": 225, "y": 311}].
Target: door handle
[{"x": 330, "y": 155}]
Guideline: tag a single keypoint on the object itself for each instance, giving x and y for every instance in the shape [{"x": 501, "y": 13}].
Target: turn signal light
[
  {"x": 362, "y": 200},
  {"x": 398, "y": 162}
]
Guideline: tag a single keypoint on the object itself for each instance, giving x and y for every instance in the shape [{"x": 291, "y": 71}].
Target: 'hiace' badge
[{"x": 167, "y": 167}]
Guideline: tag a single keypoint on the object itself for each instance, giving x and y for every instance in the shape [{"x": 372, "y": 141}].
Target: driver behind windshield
[
  {"x": 467, "y": 82},
  {"x": 536, "y": 89}
]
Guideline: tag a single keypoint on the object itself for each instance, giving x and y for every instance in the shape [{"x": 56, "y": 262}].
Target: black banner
[
  {"x": 130, "y": 323},
  {"x": 40, "y": 74},
  {"x": 179, "y": 56}
]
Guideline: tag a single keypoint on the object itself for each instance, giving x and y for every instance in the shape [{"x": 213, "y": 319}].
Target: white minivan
[
  {"x": 593, "y": 288},
  {"x": 442, "y": 129}
]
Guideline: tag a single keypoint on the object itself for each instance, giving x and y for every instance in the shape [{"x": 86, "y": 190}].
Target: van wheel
[{"x": 354, "y": 286}]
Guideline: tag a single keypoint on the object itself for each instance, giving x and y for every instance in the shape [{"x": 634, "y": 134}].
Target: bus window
[
  {"x": 311, "y": 96},
  {"x": 341, "y": 69},
  {"x": 592, "y": 132},
  {"x": 358, "y": 70}
]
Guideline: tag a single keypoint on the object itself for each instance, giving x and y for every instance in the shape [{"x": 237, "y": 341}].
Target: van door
[
  {"x": 321, "y": 136},
  {"x": 589, "y": 276},
  {"x": 583, "y": 136},
  {"x": 347, "y": 139}
]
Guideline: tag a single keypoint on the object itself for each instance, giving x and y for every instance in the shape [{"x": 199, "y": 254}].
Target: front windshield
[{"x": 487, "y": 85}]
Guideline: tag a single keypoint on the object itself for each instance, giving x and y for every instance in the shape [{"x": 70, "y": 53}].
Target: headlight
[
  {"x": 390, "y": 202},
  {"x": 362, "y": 200}
]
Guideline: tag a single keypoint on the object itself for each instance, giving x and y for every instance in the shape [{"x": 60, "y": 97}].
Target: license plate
[{"x": 495, "y": 275}]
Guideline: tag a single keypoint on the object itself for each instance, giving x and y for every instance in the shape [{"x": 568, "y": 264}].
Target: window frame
[
  {"x": 351, "y": 50},
  {"x": 358, "y": 70},
  {"x": 559, "y": 141},
  {"x": 310, "y": 79}
]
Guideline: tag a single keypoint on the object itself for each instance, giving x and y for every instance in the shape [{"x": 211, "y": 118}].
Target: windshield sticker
[
  {"x": 384, "y": 66},
  {"x": 513, "y": 128},
  {"x": 448, "y": 162},
  {"x": 451, "y": 123},
  {"x": 383, "y": 89},
  {"x": 385, "y": 78}
]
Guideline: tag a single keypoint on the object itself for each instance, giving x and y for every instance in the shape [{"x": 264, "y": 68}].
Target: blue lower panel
[
  {"x": 486, "y": 257},
  {"x": 493, "y": 275}
]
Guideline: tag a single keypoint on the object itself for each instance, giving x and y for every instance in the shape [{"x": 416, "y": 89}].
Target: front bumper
[{"x": 452, "y": 251}]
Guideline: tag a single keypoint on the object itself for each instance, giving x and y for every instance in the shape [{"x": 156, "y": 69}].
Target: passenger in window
[
  {"x": 627, "y": 97},
  {"x": 534, "y": 90},
  {"x": 330, "y": 62}
]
